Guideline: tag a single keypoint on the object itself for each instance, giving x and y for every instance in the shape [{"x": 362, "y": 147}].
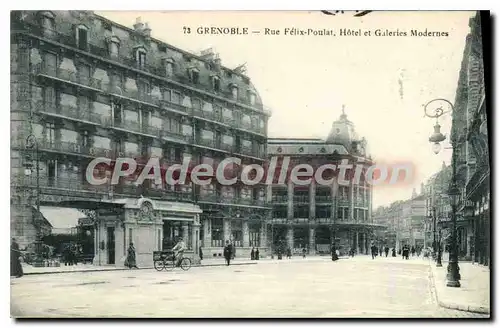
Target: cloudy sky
[{"x": 382, "y": 80}]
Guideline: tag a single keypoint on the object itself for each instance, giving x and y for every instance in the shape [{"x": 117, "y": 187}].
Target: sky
[{"x": 383, "y": 81}]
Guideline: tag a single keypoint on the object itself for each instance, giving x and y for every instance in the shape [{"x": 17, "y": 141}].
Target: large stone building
[
  {"x": 469, "y": 135},
  {"x": 86, "y": 87},
  {"x": 311, "y": 216}
]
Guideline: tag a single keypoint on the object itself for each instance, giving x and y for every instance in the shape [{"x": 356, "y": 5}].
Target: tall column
[
  {"x": 312, "y": 240},
  {"x": 290, "y": 199},
  {"x": 312, "y": 199},
  {"x": 357, "y": 242},
  {"x": 195, "y": 238},
  {"x": 246, "y": 234},
  {"x": 227, "y": 229},
  {"x": 207, "y": 233},
  {"x": 290, "y": 237},
  {"x": 185, "y": 232},
  {"x": 263, "y": 235}
]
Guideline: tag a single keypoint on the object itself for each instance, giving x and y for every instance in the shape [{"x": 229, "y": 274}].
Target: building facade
[
  {"x": 314, "y": 215},
  {"x": 83, "y": 87},
  {"x": 438, "y": 207},
  {"x": 469, "y": 135}
]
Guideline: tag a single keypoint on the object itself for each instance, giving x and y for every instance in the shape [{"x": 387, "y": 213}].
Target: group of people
[
  {"x": 376, "y": 251},
  {"x": 254, "y": 254},
  {"x": 406, "y": 250}
]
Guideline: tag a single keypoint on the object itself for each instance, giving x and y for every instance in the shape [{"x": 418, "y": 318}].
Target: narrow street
[{"x": 313, "y": 287}]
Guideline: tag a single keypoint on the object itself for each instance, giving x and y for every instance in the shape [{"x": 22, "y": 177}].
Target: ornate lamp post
[
  {"x": 434, "y": 109},
  {"x": 32, "y": 144}
]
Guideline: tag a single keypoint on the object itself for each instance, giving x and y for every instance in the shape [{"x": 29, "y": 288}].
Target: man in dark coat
[
  {"x": 386, "y": 250},
  {"x": 201, "y": 254},
  {"x": 257, "y": 254},
  {"x": 228, "y": 252},
  {"x": 252, "y": 254},
  {"x": 335, "y": 257},
  {"x": 373, "y": 250},
  {"x": 16, "y": 268}
]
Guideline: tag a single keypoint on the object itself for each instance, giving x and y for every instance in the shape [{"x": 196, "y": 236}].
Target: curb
[
  {"x": 454, "y": 306},
  {"x": 127, "y": 269}
]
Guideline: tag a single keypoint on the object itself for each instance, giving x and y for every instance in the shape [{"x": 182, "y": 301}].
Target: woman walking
[
  {"x": 16, "y": 268},
  {"x": 130, "y": 260}
]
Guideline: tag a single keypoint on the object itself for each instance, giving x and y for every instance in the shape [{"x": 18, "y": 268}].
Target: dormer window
[
  {"x": 114, "y": 46},
  {"x": 169, "y": 67},
  {"x": 82, "y": 37},
  {"x": 216, "y": 83},
  {"x": 194, "y": 75},
  {"x": 48, "y": 22},
  {"x": 251, "y": 97},
  {"x": 234, "y": 90},
  {"x": 140, "y": 57}
]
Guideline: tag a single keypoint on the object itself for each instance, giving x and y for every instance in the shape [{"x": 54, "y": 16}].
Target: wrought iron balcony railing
[
  {"x": 67, "y": 75},
  {"x": 280, "y": 198},
  {"x": 323, "y": 199},
  {"x": 72, "y": 112},
  {"x": 301, "y": 199}
]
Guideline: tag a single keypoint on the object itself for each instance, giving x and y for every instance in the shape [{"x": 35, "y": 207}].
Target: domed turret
[{"x": 342, "y": 132}]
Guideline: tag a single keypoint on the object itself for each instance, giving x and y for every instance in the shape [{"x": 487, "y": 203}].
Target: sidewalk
[
  {"x": 474, "y": 293},
  {"x": 30, "y": 270}
]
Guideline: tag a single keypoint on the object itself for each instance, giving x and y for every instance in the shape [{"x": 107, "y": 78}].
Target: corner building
[
  {"x": 86, "y": 87},
  {"x": 315, "y": 215}
]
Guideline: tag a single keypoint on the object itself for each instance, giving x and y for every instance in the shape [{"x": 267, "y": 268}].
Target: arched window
[
  {"x": 194, "y": 75},
  {"x": 216, "y": 83}
]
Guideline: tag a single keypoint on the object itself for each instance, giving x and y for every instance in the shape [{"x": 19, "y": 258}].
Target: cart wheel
[
  {"x": 170, "y": 265},
  {"x": 159, "y": 265},
  {"x": 185, "y": 264}
]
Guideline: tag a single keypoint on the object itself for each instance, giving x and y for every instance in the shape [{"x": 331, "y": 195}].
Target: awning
[
  {"x": 62, "y": 219},
  {"x": 177, "y": 219}
]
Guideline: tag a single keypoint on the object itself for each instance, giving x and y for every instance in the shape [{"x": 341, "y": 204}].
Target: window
[
  {"x": 301, "y": 211},
  {"x": 82, "y": 38},
  {"x": 194, "y": 76},
  {"x": 280, "y": 212},
  {"x": 251, "y": 97},
  {"x": 176, "y": 97},
  {"x": 234, "y": 91},
  {"x": 85, "y": 139},
  {"x": 114, "y": 46},
  {"x": 197, "y": 103},
  {"x": 141, "y": 58},
  {"x": 207, "y": 135},
  {"x": 216, "y": 83},
  {"x": 117, "y": 113},
  {"x": 228, "y": 140},
  {"x": 323, "y": 212},
  {"x": 50, "y": 133},
  {"x": 84, "y": 74}
]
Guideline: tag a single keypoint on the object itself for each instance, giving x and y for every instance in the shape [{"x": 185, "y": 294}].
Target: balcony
[
  {"x": 176, "y": 137},
  {"x": 136, "y": 127},
  {"x": 134, "y": 95},
  {"x": 74, "y": 186},
  {"x": 177, "y": 108},
  {"x": 207, "y": 143},
  {"x": 67, "y": 76},
  {"x": 280, "y": 198},
  {"x": 70, "y": 112},
  {"x": 301, "y": 199},
  {"x": 211, "y": 116},
  {"x": 323, "y": 199},
  {"x": 226, "y": 147}
]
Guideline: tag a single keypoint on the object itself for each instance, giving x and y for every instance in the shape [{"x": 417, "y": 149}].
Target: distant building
[{"x": 313, "y": 216}]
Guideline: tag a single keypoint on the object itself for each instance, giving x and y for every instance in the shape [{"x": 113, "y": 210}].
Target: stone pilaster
[
  {"x": 357, "y": 242},
  {"x": 207, "y": 233},
  {"x": 263, "y": 235},
  {"x": 246, "y": 234},
  {"x": 352, "y": 200},
  {"x": 290, "y": 199},
  {"x": 290, "y": 237},
  {"x": 185, "y": 233},
  {"x": 312, "y": 240},
  {"x": 312, "y": 199},
  {"x": 227, "y": 230}
]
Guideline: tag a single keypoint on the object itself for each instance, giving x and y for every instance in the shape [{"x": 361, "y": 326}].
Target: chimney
[
  {"x": 138, "y": 26},
  {"x": 147, "y": 30},
  {"x": 217, "y": 61}
]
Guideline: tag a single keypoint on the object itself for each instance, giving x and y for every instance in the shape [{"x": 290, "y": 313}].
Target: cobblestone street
[{"x": 315, "y": 287}]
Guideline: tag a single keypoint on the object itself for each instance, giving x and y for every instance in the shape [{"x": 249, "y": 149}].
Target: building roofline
[{"x": 198, "y": 57}]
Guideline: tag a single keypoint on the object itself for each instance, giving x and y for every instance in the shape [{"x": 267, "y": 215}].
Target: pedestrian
[
  {"x": 380, "y": 251},
  {"x": 406, "y": 252},
  {"x": 412, "y": 251},
  {"x": 252, "y": 254},
  {"x": 289, "y": 253},
  {"x": 16, "y": 268},
  {"x": 373, "y": 251},
  {"x": 304, "y": 251},
  {"x": 257, "y": 254},
  {"x": 130, "y": 261},
  {"x": 386, "y": 251},
  {"x": 233, "y": 250},
  {"x": 201, "y": 254},
  {"x": 228, "y": 252},
  {"x": 335, "y": 255},
  {"x": 394, "y": 252}
]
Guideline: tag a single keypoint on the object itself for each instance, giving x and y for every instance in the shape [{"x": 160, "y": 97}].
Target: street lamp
[
  {"x": 32, "y": 144},
  {"x": 434, "y": 109}
]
